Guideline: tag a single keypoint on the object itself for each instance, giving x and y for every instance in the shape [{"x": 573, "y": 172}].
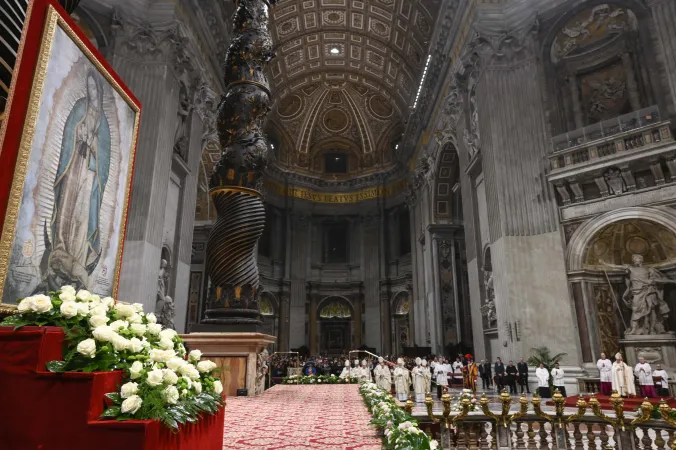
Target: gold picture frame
[{"x": 104, "y": 121}]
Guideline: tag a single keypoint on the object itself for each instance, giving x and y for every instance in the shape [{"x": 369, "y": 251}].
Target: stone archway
[
  {"x": 599, "y": 230},
  {"x": 335, "y": 315},
  {"x": 269, "y": 314},
  {"x": 599, "y": 290},
  {"x": 401, "y": 305}
]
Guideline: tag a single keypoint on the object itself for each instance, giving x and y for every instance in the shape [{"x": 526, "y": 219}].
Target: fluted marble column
[
  {"x": 529, "y": 273},
  {"x": 664, "y": 18}
]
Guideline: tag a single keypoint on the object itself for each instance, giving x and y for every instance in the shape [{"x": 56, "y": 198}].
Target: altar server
[
  {"x": 663, "y": 390},
  {"x": 365, "y": 373},
  {"x": 557, "y": 376},
  {"x": 418, "y": 381},
  {"x": 542, "y": 375},
  {"x": 346, "y": 371},
  {"x": 428, "y": 376},
  {"x": 457, "y": 371},
  {"x": 622, "y": 377},
  {"x": 605, "y": 372},
  {"x": 645, "y": 378},
  {"x": 441, "y": 374},
  {"x": 402, "y": 381},
  {"x": 383, "y": 376}
]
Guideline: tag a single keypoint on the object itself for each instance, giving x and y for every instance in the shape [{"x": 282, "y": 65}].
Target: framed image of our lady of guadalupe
[{"x": 66, "y": 165}]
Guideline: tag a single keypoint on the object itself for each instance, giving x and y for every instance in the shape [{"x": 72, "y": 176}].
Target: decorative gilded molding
[{"x": 391, "y": 190}]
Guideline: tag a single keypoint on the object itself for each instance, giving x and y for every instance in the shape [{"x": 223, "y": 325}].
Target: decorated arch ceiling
[{"x": 344, "y": 78}]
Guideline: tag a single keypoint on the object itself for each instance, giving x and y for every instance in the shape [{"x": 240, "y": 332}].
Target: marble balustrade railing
[{"x": 585, "y": 427}]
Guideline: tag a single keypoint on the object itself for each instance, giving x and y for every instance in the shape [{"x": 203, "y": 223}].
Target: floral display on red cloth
[{"x": 161, "y": 381}]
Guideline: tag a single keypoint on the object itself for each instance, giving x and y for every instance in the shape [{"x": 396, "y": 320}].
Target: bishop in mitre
[
  {"x": 346, "y": 371},
  {"x": 419, "y": 383},
  {"x": 382, "y": 375},
  {"x": 622, "y": 377},
  {"x": 427, "y": 375},
  {"x": 402, "y": 381},
  {"x": 365, "y": 373}
]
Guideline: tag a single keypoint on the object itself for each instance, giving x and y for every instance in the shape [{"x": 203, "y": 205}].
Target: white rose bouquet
[
  {"x": 161, "y": 382},
  {"x": 400, "y": 431}
]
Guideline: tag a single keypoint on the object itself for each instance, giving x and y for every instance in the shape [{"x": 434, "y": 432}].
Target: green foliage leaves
[
  {"x": 56, "y": 366},
  {"x": 401, "y": 432},
  {"x": 542, "y": 355}
]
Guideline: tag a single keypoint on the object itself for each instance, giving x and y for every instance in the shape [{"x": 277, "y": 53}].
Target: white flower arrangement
[
  {"x": 399, "y": 430},
  {"x": 318, "y": 379},
  {"x": 457, "y": 402},
  {"x": 160, "y": 381}
]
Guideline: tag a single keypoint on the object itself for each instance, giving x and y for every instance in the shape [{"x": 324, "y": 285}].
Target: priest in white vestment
[
  {"x": 457, "y": 371},
  {"x": 402, "y": 381},
  {"x": 418, "y": 381},
  {"x": 660, "y": 373},
  {"x": 645, "y": 378},
  {"x": 382, "y": 375},
  {"x": 605, "y": 373},
  {"x": 428, "y": 376},
  {"x": 346, "y": 371},
  {"x": 365, "y": 373},
  {"x": 623, "y": 377},
  {"x": 542, "y": 374}
]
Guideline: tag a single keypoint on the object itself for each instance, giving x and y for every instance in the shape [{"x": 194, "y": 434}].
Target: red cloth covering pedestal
[{"x": 40, "y": 410}]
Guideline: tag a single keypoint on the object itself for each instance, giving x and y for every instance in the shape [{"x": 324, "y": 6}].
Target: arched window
[{"x": 335, "y": 309}]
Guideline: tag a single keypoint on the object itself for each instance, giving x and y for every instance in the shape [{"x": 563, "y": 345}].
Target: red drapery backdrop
[{"x": 47, "y": 411}]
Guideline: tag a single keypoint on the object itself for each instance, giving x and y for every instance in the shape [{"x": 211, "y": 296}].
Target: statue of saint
[
  {"x": 164, "y": 304},
  {"x": 261, "y": 371},
  {"x": 488, "y": 309},
  {"x": 181, "y": 135},
  {"x": 645, "y": 297}
]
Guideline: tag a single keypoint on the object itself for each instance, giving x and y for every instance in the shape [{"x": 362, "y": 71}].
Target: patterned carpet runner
[{"x": 300, "y": 417}]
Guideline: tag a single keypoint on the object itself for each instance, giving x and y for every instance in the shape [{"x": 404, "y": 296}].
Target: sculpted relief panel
[{"x": 592, "y": 27}]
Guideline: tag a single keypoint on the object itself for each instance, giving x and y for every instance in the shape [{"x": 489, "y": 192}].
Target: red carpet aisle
[{"x": 300, "y": 417}]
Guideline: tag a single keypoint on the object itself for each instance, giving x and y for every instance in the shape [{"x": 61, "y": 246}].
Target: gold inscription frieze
[{"x": 336, "y": 198}]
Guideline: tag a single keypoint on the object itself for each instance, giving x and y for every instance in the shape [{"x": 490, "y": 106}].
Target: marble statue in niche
[
  {"x": 261, "y": 371},
  {"x": 164, "y": 304},
  {"x": 181, "y": 140},
  {"x": 645, "y": 297},
  {"x": 488, "y": 309}
]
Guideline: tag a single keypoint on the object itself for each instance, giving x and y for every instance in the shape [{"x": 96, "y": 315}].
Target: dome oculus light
[{"x": 335, "y": 51}]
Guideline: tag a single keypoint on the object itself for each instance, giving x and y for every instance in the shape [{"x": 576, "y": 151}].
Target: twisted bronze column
[{"x": 235, "y": 182}]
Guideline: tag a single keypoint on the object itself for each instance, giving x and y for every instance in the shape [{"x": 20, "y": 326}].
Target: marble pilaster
[
  {"x": 531, "y": 292},
  {"x": 664, "y": 19}
]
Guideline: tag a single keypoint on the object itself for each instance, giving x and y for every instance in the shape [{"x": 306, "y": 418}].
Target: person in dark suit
[
  {"x": 523, "y": 375},
  {"x": 512, "y": 373},
  {"x": 499, "y": 375},
  {"x": 485, "y": 372}
]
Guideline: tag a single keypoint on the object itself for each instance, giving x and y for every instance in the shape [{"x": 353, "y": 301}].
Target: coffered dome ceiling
[{"x": 344, "y": 78}]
